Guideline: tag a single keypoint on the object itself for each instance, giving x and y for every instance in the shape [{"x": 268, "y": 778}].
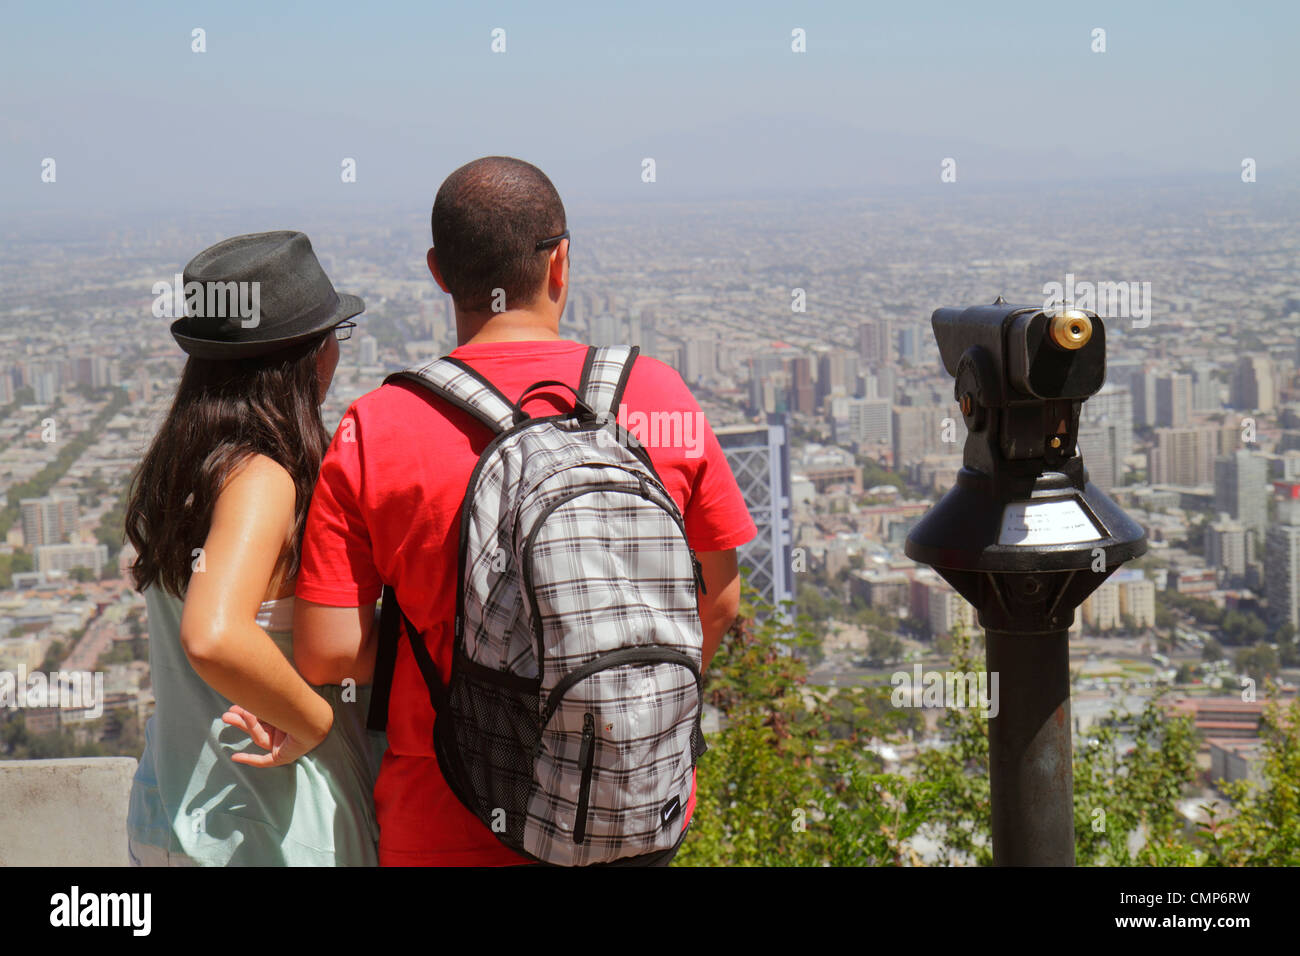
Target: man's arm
[
  {"x": 721, "y": 600},
  {"x": 334, "y": 628},
  {"x": 331, "y": 644}
]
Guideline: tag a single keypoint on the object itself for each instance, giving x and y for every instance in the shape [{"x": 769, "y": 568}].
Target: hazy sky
[{"x": 711, "y": 91}]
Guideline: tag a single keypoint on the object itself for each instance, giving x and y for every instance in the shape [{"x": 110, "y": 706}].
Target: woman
[{"x": 216, "y": 514}]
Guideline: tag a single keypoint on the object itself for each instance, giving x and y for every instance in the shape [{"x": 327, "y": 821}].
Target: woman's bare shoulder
[
  {"x": 260, "y": 475},
  {"x": 260, "y": 495}
]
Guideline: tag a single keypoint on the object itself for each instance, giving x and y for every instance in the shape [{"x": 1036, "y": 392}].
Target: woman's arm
[{"x": 219, "y": 632}]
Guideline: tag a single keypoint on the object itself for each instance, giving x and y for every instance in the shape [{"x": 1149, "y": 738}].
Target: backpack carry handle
[{"x": 585, "y": 411}]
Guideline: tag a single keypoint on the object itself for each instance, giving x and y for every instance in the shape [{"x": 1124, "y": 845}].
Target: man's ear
[
  {"x": 432, "y": 259},
  {"x": 557, "y": 274}
]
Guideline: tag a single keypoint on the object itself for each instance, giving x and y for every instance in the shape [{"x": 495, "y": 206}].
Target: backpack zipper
[
  {"x": 699, "y": 572},
  {"x": 586, "y": 760},
  {"x": 645, "y": 654},
  {"x": 526, "y": 555}
]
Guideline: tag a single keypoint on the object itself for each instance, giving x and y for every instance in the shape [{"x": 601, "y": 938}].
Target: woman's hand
[{"x": 281, "y": 748}]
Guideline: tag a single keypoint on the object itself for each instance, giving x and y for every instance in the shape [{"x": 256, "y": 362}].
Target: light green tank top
[{"x": 189, "y": 797}]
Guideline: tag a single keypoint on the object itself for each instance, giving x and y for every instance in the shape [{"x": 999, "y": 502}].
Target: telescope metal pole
[{"x": 1031, "y": 778}]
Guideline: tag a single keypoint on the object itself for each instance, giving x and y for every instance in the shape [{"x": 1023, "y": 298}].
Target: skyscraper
[
  {"x": 803, "y": 395},
  {"x": 907, "y": 344},
  {"x": 1173, "y": 400},
  {"x": 1282, "y": 572},
  {"x": 1252, "y": 384},
  {"x": 1142, "y": 386},
  {"x": 1183, "y": 456},
  {"x": 769, "y": 385},
  {"x": 864, "y": 423},
  {"x": 876, "y": 342},
  {"x": 837, "y": 374},
  {"x": 1241, "y": 490},
  {"x": 368, "y": 353},
  {"x": 1227, "y": 547},
  {"x": 1111, "y": 411},
  {"x": 759, "y": 456},
  {"x": 1097, "y": 446},
  {"x": 49, "y": 520},
  {"x": 1205, "y": 389},
  {"x": 920, "y": 430}
]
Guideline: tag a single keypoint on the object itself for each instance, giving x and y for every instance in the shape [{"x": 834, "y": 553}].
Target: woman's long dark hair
[{"x": 224, "y": 412}]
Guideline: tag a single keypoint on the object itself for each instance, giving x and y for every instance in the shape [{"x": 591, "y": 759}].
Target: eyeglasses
[
  {"x": 553, "y": 241},
  {"x": 343, "y": 331}
]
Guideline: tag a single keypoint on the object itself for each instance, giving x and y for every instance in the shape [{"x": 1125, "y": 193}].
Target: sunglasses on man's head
[{"x": 553, "y": 241}]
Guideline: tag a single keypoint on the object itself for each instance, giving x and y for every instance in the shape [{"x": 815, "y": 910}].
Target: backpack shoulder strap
[
  {"x": 385, "y": 660},
  {"x": 392, "y": 621},
  {"x": 465, "y": 388},
  {"x": 604, "y": 376}
]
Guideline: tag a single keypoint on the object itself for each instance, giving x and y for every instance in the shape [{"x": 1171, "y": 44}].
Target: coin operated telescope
[{"x": 1025, "y": 537}]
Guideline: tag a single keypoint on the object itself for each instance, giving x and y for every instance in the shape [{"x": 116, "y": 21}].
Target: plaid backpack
[{"x": 570, "y": 724}]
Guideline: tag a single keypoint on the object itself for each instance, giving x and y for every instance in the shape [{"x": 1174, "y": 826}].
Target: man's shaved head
[{"x": 487, "y": 219}]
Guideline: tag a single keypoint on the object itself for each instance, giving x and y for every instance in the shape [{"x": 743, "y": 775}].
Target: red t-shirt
[{"x": 387, "y": 509}]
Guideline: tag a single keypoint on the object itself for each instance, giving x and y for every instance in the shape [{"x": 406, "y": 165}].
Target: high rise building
[
  {"x": 643, "y": 331},
  {"x": 1286, "y": 466},
  {"x": 1173, "y": 400},
  {"x": 1182, "y": 456},
  {"x": 65, "y": 557},
  {"x": 769, "y": 382},
  {"x": 49, "y": 520},
  {"x": 1097, "y": 446},
  {"x": 1282, "y": 573},
  {"x": 1241, "y": 490},
  {"x": 103, "y": 372},
  {"x": 1142, "y": 386},
  {"x": 759, "y": 456},
  {"x": 45, "y": 387},
  {"x": 700, "y": 354},
  {"x": 1101, "y": 607},
  {"x": 837, "y": 375},
  {"x": 881, "y": 382},
  {"x": 947, "y": 609},
  {"x": 604, "y": 330},
  {"x": 907, "y": 344},
  {"x": 864, "y": 423},
  {"x": 1112, "y": 405},
  {"x": 1227, "y": 547},
  {"x": 876, "y": 342},
  {"x": 921, "y": 430},
  {"x": 1253, "y": 389},
  {"x": 368, "y": 353},
  {"x": 1137, "y": 596},
  {"x": 1205, "y": 389},
  {"x": 803, "y": 395}
]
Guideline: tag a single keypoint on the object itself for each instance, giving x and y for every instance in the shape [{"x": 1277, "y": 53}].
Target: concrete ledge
[{"x": 65, "y": 812}]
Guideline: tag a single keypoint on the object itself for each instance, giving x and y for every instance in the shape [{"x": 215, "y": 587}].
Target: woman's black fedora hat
[{"x": 250, "y": 295}]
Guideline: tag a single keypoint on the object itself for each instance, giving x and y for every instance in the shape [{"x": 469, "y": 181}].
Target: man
[{"x": 386, "y": 508}]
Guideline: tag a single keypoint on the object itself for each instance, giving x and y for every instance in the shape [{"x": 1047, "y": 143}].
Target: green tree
[
  {"x": 1259, "y": 662},
  {"x": 777, "y": 786},
  {"x": 1264, "y": 829},
  {"x": 54, "y": 655},
  {"x": 883, "y": 647},
  {"x": 1117, "y": 796},
  {"x": 793, "y": 777},
  {"x": 960, "y": 817}
]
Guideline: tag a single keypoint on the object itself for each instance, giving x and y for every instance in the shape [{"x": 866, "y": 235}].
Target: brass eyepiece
[{"x": 1070, "y": 329}]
